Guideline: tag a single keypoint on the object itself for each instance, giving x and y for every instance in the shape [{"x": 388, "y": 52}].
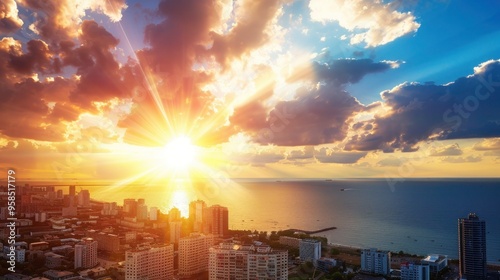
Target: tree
[{"x": 337, "y": 276}]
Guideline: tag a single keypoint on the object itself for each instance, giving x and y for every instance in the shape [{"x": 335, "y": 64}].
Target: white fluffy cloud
[
  {"x": 9, "y": 16},
  {"x": 372, "y": 22}
]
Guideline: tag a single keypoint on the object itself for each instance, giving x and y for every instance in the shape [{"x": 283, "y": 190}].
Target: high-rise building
[
  {"x": 412, "y": 271},
  {"x": 310, "y": 250},
  {"x": 130, "y": 207},
  {"x": 374, "y": 261},
  {"x": 231, "y": 261},
  {"x": 174, "y": 215},
  {"x": 175, "y": 231},
  {"x": 196, "y": 210},
  {"x": 86, "y": 253},
  {"x": 109, "y": 209},
  {"x": 71, "y": 196},
  {"x": 142, "y": 212},
  {"x": 216, "y": 220},
  {"x": 152, "y": 263},
  {"x": 472, "y": 247},
  {"x": 84, "y": 198},
  {"x": 153, "y": 214},
  {"x": 193, "y": 253}
]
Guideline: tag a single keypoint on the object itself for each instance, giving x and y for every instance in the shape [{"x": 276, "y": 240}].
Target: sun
[{"x": 180, "y": 153}]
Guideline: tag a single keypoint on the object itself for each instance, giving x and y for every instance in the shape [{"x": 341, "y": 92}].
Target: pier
[{"x": 312, "y": 231}]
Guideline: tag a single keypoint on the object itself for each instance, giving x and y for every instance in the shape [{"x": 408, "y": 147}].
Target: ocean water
[{"x": 416, "y": 216}]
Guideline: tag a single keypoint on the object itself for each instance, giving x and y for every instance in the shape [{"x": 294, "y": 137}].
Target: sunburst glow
[{"x": 180, "y": 153}]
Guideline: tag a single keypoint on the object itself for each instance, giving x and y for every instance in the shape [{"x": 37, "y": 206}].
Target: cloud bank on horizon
[{"x": 288, "y": 79}]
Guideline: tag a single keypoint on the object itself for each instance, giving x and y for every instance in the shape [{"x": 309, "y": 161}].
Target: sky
[{"x": 131, "y": 91}]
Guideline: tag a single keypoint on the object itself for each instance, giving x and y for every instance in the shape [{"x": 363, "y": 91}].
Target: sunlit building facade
[
  {"x": 193, "y": 253},
  {"x": 152, "y": 263},
  {"x": 232, "y": 261},
  {"x": 86, "y": 253}
]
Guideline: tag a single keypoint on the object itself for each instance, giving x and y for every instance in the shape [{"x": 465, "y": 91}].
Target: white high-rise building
[
  {"x": 152, "y": 263},
  {"x": 153, "y": 213},
  {"x": 196, "y": 212},
  {"x": 310, "y": 250},
  {"x": 175, "y": 231},
  {"x": 193, "y": 253},
  {"x": 411, "y": 271},
  {"x": 142, "y": 212},
  {"x": 86, "y": 253},
  {"x": 231, "y": 261},
  {"x": 84, "y": 198},
  {"x": 377, "y": 262}
]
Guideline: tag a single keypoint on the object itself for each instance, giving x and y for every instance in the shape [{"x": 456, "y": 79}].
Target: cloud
[
  {"x": 392, "y": 161},
  {"x": 341, "y": 71},
  {"x": 463, "y": 159},
  {"x": 58, "y": 20},
  {"x": 250, "y": 31},
  {"x": 326, "y": 155},
  {"x": 9, "y": 18},
  {"x": 451, "y": 150},
  {"x": 465, "y": 108},
  {"x": 319, "y": 113},
  {"x": 492, "y": 144},
  {"x": 306, "y": 153},
  {"x": 373, "y": 23},
  {"x": 175, "y": 101}
]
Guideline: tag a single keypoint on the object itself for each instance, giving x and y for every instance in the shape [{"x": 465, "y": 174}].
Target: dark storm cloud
[{"x": 466, "y": 108}]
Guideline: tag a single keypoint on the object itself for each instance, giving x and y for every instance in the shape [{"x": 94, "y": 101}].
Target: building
[
  {"x": 290, "y": 241},
  {"x": 174, "y": 215},
  {"x": 411, "y": 271},
  {"x": 376, "y": 262},
  {"x": 153, "y": 214},
  {"x": 109, "y": 209},
  {"x": 325, "y": 264},
  {"x": 472, "y": 247},
  {"x": 53, "y": 260},
  {"x": 196, "y": 210},
  {"x": 86, "y": 253},
  {"x": 216, "y": 220},
  {"x": 130, "y": 207},
  {"x": 436, "y": 263},
  {"x": 152, "y": 263},
  {"x": 309, "y": 250},
  {"x": 175, "y": 231},
  {"x": 193, "y": 253},
  {"x": 105, "y": 241},
  {"x": 232, "y": 261},
  {"x": 84, "y": 198},
  {"x": 142, "y": 212},
  {"x": 20, "y": 253},
  {"x": 57, "y": 274}
]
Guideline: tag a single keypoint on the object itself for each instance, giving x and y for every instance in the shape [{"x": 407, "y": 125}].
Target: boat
[{"x": 342, "y": 190}]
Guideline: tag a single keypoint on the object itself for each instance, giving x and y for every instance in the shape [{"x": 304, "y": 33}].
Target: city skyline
[{"x": 141, "y": 92}]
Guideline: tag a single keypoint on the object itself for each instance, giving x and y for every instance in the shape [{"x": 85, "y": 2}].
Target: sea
[{"x": 417, "y": 216}]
